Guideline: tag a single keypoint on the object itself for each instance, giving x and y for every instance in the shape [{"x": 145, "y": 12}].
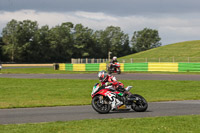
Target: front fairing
[
  {"x": 95, "y": 89},
  {"x": 103, "y": 92}
]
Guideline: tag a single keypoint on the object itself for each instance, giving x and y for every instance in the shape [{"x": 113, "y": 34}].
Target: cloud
[
  {"x": 171, "y": 28},
  {"x": 115, "y": 7},
  {"x": 95, "y": 16}
]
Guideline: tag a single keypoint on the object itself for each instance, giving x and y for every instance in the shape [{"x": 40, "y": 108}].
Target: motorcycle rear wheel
[
  {"x": 109, "y": 70},
  {"x": 100, "y": 107},
  {"x": 139, "y": 104},
  {"x": 119, "y": 71}
]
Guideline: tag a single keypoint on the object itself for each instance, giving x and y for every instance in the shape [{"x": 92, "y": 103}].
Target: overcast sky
[{"x": 175, "y": 20}]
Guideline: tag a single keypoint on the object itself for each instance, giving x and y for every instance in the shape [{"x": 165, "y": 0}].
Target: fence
[
  {"x": 83, "y": 67},
  {"x": 139, "y": 60},
  {"x": 167, "y": 67},
  {"x": 169, "y": 59},
  {"x": 87, "y": 60}
]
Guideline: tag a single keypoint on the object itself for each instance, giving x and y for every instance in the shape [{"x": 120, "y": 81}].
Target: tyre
[
  {"x": 139, "y": 103},
  {"x": 119, "y": 71},
  {"x": 109, "y": 70},
  {"x": 100, "y": 106}
]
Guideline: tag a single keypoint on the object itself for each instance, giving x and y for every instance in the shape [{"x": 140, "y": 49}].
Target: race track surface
[
  {"x": 123, "y": 76},
  {"x": 67, "y": 113}
]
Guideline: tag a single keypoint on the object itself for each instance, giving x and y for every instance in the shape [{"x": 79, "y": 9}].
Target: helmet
[
  {"x": 102, "y": 75},
  {"x": 114, "y": 58}
]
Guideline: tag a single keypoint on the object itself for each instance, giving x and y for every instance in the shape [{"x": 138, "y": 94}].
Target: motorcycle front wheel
[
  {"x": 139, "y": 103},
  {"x": 101, "y": 106},
  {"x": 118, "y": 71}
]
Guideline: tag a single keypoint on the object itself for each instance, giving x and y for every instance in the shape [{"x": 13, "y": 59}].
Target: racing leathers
[
  {"x": 112, "y": 64},
  {"x": 111, "y": 80},
  {"x": 116, "y": 85}
]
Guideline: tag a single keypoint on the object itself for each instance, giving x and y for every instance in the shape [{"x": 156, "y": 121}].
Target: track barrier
[{"x": 165, "y": 67}]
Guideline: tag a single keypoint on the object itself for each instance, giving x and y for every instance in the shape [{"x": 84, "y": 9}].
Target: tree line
[{"x": 26, "y": 42}]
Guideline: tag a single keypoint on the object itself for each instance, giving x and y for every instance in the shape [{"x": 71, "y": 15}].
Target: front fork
[{"x": 101, "y": 99}]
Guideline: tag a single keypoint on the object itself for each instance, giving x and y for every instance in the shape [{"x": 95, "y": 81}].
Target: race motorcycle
[
  {"x": 114, "y": 68},
  {"x": 107, "y": 99}
]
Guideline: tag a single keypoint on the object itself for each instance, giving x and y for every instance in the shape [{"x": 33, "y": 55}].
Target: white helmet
[
  {"x": 114, "y": 58},
  {"x": 102, "y": 75}
]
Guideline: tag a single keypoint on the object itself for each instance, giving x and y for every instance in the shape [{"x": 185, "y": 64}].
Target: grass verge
[
  {"x": 16, "y": 93},
  {"x": 42, "y": 70},
  {"x": 52, "y": 71},
  {"x": 171, "y": 124}
]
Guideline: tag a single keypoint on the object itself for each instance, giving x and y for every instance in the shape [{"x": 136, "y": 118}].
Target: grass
[
  {"x": 44, "y": 70},
  {"x": 170, "y": 124},
  {"x": 16, "y": 93},
  {"x": 180, "y": 51},
  {"x": 52, "y": 71}
]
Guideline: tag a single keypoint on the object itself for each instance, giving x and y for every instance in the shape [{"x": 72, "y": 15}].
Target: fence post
[
  {"x": 146, "y": 60},
  {"x": 131, "y": 60},
  {"x": 188, "y": 59}
]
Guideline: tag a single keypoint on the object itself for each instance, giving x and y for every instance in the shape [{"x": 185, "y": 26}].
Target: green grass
[
  {"x": 39, "y": 71},
  {"x": 52, "y": 71},
  {"x": 180, "y": 51},
  {"x": 171, "y": 124},
  {"x": 16, "y": 93}
]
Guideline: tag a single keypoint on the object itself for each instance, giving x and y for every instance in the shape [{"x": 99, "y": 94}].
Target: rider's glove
[{"x": 108, "y": 83}]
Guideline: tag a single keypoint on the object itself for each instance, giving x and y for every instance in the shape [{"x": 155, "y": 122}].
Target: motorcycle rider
[
  {"x": 112, "y": 62},
  {"x": 107, "y": 80}
]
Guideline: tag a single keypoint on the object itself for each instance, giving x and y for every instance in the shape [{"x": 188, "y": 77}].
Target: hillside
[{"x": 188, "y": 51}]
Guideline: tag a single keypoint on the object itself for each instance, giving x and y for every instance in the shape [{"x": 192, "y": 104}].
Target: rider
[
  {"x": 113, "y": 61},
  {"x": 107, "y": 79}
]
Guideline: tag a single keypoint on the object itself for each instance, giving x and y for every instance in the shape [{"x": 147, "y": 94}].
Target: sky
[{"x": 175, "y": 20}]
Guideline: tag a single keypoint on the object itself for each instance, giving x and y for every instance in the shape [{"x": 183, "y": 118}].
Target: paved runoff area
[
  {"x": 123, "y": 76},
  {"x": 68, "y": 113}
]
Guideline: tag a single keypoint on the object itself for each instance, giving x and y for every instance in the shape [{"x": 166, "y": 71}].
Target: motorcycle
[
  {"x": 107, "y": 99},
  {"x": 114, "y": 68}
]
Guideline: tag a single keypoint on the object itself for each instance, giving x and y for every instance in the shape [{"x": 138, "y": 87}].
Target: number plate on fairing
[{"x": 110, "y": 95}]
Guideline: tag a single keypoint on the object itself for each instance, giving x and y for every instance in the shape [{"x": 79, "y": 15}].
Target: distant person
[{"x": 112, "y": 62}]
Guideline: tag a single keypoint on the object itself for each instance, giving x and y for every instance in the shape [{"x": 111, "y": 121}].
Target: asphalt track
[
  {"x": 123, "y": 76},
  {"x": 68, "y": 113}
]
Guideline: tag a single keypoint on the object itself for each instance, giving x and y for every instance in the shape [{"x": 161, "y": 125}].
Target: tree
[
  {"x": 1, "y": 45},
  {"x": 18, "y": 36},
  {"x": 61, "y": 42},
  {"x": 10, "y": 39},
  {"x": 145, "y": 39},
  {"x": 126, "y": 50},
  {"x": 27, "y": 42},
  {"x": 38, "y": 49},
  {"x": 114, "y": 40},
  {"x": 83, "y": 42}
]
